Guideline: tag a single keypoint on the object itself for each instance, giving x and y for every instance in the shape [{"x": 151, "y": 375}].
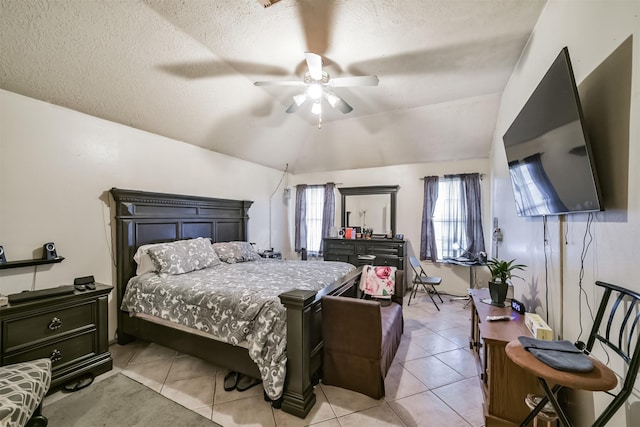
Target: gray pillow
[
  {"x": 183, "y": 256},
  {"x": 232, "y": 252}
]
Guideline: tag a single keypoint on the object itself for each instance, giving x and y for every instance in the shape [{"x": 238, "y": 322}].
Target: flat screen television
[{"x": 548, "y": 150}]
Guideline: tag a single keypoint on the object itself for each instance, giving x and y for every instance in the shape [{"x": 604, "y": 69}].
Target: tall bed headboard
[{"x": 145, "y": 217}]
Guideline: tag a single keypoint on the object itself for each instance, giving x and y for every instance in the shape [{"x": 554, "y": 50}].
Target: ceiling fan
[{"x": 318, "y": 84}]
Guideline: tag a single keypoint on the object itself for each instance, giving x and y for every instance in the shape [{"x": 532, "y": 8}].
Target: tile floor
[{"x": 432, "y": 382}]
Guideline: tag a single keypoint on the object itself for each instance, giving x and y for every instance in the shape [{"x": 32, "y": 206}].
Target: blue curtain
[
  {"x": 328, "y": 211},
  {"x": 473, "y": 205},
  {"x": 428, "y": 247},
  {"x": 301, "y": 218}
]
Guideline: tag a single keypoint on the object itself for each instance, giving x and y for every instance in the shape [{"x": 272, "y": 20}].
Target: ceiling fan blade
[
  {"x": 204, "y": 69},
  {"x": 317, "y": 19},
  {"x": 336, "y": 102},
  {"x": 293, "y": 108},
  {"x": 344, "y": 107},
  {"x": 354, "y": 81},
  {"x": 280, "y": 83},
  {"x": 298, "y": 100},
  {"x": 314, "y": 63}
]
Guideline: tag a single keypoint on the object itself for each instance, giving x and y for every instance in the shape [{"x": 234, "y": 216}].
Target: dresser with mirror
[{"x": 368, "y": 208}]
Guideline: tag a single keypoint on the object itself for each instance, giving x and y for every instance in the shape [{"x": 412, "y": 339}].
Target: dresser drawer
[
  {"x": 388, "y": 252},
  {"x": 46, "y": 325},
  {"x": 336, "y": 257},
  {"x": 340, "y": 247},
  {"x": 61, "y": 352},
  {"x": 385, "y": 249}
]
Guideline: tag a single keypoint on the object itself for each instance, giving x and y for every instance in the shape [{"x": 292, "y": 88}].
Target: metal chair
[
  {"x": 621, "y": 334},
  {"x": 421, "y": 278}
]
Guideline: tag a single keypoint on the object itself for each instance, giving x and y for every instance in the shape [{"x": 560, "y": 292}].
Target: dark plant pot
[{"x": 498, "y": 292}]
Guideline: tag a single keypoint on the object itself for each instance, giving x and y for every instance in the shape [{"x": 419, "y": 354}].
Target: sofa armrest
[{"x": 351, "y": 325}]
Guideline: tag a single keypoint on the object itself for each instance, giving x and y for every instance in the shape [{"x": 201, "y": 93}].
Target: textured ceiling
[{"x": 184, "y": 69}]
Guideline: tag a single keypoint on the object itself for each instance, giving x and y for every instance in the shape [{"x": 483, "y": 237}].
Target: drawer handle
[
  {"x": 56, "y": 356},
  {"x": 55, "y": 324}
]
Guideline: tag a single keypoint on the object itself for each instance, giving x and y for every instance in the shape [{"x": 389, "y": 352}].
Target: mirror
[{"x": 370, "y": 207}]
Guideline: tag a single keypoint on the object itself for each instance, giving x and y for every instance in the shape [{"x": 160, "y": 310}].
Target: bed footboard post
[{"x": 298, "y": 396}]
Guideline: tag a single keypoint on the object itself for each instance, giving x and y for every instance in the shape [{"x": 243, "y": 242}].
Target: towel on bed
[{"x": 378, "y": 281}]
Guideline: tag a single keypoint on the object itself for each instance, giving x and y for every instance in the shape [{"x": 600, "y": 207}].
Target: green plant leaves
[{"x": 503, "y": 270}]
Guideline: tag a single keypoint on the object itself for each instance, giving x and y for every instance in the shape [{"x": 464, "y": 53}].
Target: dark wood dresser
[
  {"x": 71, "y": 330},
  {"x": 389, "y": 252}
]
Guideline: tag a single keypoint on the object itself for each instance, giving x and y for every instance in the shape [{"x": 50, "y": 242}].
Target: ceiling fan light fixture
[
  {"x": 299, "y": 99},
  {"x": 333, "y": 100},
  {"x": 314, "y": 91},
  {"x": 316, "y": 108},
  {"x": 318, "y": 85}
]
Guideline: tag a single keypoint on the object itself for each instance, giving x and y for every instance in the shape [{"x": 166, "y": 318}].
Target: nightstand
[{"x": 71, "y": 330}]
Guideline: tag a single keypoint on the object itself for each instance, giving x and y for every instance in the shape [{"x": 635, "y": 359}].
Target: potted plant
[
  {"x": 501, "y": 273},
  {"x": 368, "y": 232}
]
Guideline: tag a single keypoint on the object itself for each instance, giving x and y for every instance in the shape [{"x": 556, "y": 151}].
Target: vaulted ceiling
[{"x": 185, "y": 70}]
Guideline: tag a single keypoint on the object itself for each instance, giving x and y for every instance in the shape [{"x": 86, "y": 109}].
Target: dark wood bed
[{"x": 144, "y": 217}]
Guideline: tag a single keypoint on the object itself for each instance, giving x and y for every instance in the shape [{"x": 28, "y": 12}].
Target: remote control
[{"x": 494, "y": 318}]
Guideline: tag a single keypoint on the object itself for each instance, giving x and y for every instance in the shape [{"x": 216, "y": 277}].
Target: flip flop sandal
[
  {"x": 230, "y": 380},
  {"x": 246, "y": 382},
  {"x": 79, "y": 383}
]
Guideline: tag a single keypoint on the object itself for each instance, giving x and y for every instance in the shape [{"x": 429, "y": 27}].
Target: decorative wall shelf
[{"x": 29, "y": 262}]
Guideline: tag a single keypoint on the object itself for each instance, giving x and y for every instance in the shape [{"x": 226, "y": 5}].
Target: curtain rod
[
  {"x": 442, "y": 176},
  {"x": 320, "y": 185}
]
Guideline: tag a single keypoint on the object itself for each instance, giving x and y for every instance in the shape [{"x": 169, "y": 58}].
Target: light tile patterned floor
[{"x": 432, "y": 382}]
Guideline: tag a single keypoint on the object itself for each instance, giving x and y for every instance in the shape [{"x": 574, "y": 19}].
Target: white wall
[
  {"x": 455, "y": 279},
  {"x": 595, "y": 33},
  {"x": 56, "y": 166}
]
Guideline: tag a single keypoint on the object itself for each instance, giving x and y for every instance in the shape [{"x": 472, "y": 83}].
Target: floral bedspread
[{"x": 235, "y": 303}]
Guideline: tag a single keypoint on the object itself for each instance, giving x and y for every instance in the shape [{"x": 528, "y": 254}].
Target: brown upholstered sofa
[{"x": 360, "y": 339}]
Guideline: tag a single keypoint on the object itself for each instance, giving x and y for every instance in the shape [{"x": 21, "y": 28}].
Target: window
[
  {"x": 314, "y": 216},
  {"x": 534, "y": 193},
  {"x": 315, "y": 203},
  {"x": 449, "y": 220},
  {"x": 452, "y": 218},
  {"x": 526, "y": 188}
]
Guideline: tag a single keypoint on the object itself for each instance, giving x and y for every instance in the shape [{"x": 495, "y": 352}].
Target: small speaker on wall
[
  {"x": 3, "y": 258},
  {"x": 49, "y": 251}
]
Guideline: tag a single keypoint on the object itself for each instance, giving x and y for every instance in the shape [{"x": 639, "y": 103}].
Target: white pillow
[{"x": 144, "y": 261}]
